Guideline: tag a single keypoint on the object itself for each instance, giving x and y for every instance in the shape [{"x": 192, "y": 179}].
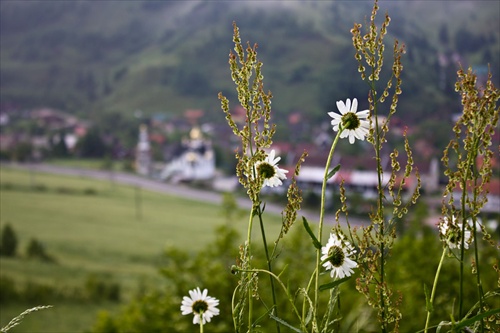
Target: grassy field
[
  {"x": 87, "y": 163},
  {"x": 92, "y": 228},
  {"x": 68, "y": 317}
]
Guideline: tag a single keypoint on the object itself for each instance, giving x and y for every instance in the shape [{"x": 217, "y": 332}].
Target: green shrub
[
  {"x": 159, "y": 310},
  {"x": 99, "y": 289},
  {"x": 409, "y": 268},
  {"x": 65, "y": 190},
  {"x": 40, "y": 188},
  {"x": 9, "y": 292},
  {"x": 90, "y": 191},
  {"x": 128, "y": 165},
  {"x": 38, "y": 293},
  {"x": 8, "y": 246},
  {"x": 36, "y": 250},
  {"x": 8, "y": 186},
  {"x": 105, "y": 323}
]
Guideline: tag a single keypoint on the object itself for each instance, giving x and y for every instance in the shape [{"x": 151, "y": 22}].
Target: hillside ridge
[{"x": 166, "y": 56}]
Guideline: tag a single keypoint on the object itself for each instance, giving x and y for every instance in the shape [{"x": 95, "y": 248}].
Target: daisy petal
[
  {"x": 348, "y": 105},
  {"x": 341, "y": 107},
  {"x": 354, "y": 106}
]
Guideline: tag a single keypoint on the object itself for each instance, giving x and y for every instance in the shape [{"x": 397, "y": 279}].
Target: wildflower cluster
[
  {"x": 257, "y": 131},
  {"x": 257, "y": 167},
  {"x": 362, "y": 251},
  {"x": 376, "y": 240},
  {"x": 468, "y": 162},
  {"x": 468, "y": 157}
]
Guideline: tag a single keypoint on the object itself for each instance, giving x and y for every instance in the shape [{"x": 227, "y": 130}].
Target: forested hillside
[{"x": 89, "y": 57}]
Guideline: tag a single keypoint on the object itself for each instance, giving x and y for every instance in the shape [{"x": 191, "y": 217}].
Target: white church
[{"x": 193, "y": 161}]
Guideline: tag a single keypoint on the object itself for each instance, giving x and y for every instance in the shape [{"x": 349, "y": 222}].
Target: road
[{"x": 179, "y": 190}]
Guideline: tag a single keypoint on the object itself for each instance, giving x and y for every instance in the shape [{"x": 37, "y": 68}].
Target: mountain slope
[{"x": 165, "y": 56}]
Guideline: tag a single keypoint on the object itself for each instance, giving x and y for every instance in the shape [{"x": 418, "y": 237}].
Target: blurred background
[
  {"x": 116, "y": 64},
  {"x": 130, "y": 88}
]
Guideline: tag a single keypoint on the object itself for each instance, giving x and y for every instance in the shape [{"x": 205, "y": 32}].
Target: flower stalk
[
  {"x": 322, "y": 215},
  {"x": 430, "y": 302},
  {"x": 380, "y": 234},
  {"x": 473, "y": 163}
]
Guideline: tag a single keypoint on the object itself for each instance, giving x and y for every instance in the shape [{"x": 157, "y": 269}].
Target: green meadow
[{"x": 95, "y": 229}]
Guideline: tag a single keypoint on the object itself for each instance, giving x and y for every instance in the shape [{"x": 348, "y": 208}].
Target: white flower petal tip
[
  {"x": 201, "y": 305},
  {"x": 336, "y": 257},
  {"x": 354, "y": 124}
]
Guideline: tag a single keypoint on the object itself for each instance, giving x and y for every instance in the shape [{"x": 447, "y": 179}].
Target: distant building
[
  {"x": 143, "y": 153},
  {"x": 53, "y": 119},
  {"x": 359, "y": 175},
  {"x": 194, "y": 160}
]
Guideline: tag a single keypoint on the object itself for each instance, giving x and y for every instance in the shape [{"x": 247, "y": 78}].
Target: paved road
[{"x": 170, "y": 189}]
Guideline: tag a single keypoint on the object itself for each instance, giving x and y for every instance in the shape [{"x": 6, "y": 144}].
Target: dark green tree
[
  {"x": 92, "y": 144},
  {"x": 22, "y": 152},
  {"x": 36, "y": 250},
  {"x": 59, "y": 147},
  {"x": 8, "y": 246}
]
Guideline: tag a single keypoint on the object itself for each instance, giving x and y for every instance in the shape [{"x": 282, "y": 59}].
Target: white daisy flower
[
  {"x": 200, "y": 305},
  {"x": 451, "y": 233},
  {"x": 353, "y": 124},
  {"x": 268, "y": 169},
  {"x": 336, "y": 255}
]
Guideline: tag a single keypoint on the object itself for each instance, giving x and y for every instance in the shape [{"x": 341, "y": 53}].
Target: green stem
[
  {"x": 433, "y": 292},
  {"x": 462, "y": 244},
  {"x": 236, "y": 323},
  {"x": 290, "y": 297},
  {"x": 471, "y": 159},
  {"x": 307, "y": 292},
  {"x": 269, "y": 265},
  {"x": 250, "y": 225},
  {"x": 249, "y": 275},
  {"x": 475, "y": 240},
  {"x": 201, "y": 322},
  {"x": 478, "y": 275},
  {"x": 461, "y": 277},
  {"x": 380, "y": 205},
  {"x": 322, "y": 216}
]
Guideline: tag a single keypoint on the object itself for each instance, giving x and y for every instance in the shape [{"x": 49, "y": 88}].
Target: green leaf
[
  {"x": 333, "y": 284},
  {"x": 477, "y": 317},
  {"x": 310, "y": 312},
  {"x": 283, "y": 270},
  {"x": 284, "y": 323},
  {"x": 316, "y": 243},
  {"x": 333, "y": 172},
  {"x": 428, "y": 302}
]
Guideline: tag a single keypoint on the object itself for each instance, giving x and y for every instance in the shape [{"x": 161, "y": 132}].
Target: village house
[
  {"x": 358, "y": 173},
  {"x": 52, "y": 124}
]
